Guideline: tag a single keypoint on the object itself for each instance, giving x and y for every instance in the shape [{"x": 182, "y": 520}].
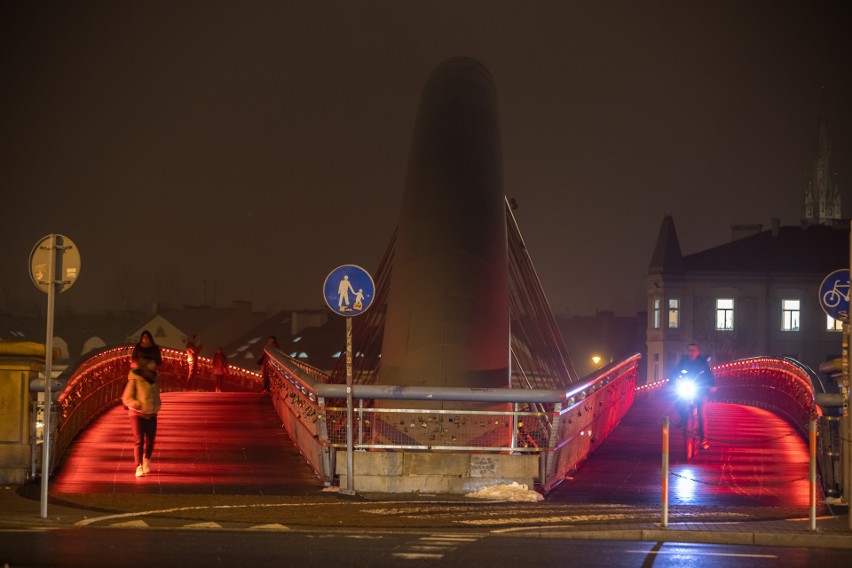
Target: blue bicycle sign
[{"x": 834, "y": 295}]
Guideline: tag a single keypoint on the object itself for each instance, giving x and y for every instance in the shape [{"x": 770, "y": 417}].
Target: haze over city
[{"x": 204, "y": 152}]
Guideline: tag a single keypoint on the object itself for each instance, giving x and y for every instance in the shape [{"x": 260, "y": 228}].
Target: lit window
[
  {"x": 832, "y": 324},
  {"x": 790, "y": 315},
  {"x": 297, "y": 339},
  {"x": 657, "y": 303},
  {"x": 674, "y": 313},
  {"x": 725, "y": 314},
  {"x": 303, "y": 355}
]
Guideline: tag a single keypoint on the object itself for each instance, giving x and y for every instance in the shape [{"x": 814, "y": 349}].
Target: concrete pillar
[
  {"x": 447, "y": 321},
  {"x": 19, "y": 363}
]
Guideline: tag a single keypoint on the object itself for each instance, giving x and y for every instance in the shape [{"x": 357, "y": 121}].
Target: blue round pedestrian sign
[
  {"x": 834, "y": 295},
  {"x": 349, "y": 290}
]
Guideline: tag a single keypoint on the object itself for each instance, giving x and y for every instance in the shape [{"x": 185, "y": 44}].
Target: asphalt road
[{"x": 199, "y": 547}]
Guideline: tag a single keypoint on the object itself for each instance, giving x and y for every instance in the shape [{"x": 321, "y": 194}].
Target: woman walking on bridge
[
  {"x": 142, "y": 398},
  {"x": 146, "y": 348}
]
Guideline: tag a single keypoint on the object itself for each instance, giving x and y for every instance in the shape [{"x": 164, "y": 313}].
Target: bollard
[
  {"x": 812, "y": 430},
  {"x": 665, "y": 472}
]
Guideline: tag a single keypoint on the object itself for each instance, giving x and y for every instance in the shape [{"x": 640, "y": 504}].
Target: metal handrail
[
  {"x": 463, "y": 394},
  {"x": 562, "y": 437}
]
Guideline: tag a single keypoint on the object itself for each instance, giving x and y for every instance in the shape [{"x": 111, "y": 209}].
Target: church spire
[{"x": 822, "y": 197}]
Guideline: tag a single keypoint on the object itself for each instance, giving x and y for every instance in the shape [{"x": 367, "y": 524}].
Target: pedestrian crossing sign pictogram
[{"x": 349, "y": 290}]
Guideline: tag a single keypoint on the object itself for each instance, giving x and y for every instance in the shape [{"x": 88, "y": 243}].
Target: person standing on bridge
[
  {"x": 220, "y": 367},
  {"x": 193, "y": 352},
  {"x": 697, "y": 366},
  {"x": 265, "y": 365},
  {"x": 141, "y": 396}
]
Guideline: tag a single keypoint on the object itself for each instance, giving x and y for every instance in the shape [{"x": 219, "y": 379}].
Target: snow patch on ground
[{"x": 512, "y": 492}]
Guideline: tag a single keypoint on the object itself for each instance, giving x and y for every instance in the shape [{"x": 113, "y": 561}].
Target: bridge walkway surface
[
  {"x": 207, "y": 443},
  {"x": 755, "y": 459}
]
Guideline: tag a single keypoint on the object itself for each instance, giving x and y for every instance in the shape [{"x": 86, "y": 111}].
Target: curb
[{"x": 812, "y": 540}]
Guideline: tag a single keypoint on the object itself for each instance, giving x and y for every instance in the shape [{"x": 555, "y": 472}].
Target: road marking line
[
  {"x": 417, "y": 556},
  {"x": 424, "y": 548},
  {"x": 86, "y": 522},
  {"x": 30, "y": 529},
  {"x": 681, "y": 553}
]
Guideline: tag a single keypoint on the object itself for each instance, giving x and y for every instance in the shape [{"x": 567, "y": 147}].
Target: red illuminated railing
[
  {"x": 96, "y": 384},
  {"x": 778, "y": 385},
  {"x": 589, "y": 415}
]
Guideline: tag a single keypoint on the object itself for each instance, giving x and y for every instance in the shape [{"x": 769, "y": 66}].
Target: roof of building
[
  {"x": 75, "y": 329},
  {"x": 317, "y": 341},
  {"x": 812, "y": 249},
  {"x": 667, "y": 258}
]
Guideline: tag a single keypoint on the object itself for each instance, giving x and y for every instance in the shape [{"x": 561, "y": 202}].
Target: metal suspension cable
[{"x": 537, "y": 342}]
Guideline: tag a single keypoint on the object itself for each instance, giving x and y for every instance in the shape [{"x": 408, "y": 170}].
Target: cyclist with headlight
[{"x": 695, "y": 381}]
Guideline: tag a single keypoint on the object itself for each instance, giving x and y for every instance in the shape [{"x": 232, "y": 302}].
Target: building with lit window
[{"x": 755, "y": 295}]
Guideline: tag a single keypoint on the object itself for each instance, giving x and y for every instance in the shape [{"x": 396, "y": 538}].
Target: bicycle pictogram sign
[{"x": 834, "y": 295}]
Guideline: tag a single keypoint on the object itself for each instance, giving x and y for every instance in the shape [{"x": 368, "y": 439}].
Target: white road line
[
  {"x": 694, "y": 553},
  {"x": 425, "y": 548},
  {"x": 417, "y": 556},
  {"x": 86, "y": 522}
]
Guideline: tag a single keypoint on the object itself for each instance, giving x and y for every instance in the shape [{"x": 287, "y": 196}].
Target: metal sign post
[
  {"x": 846, "y": 420},
  {"x": 339, "y": 284},
  {"x": 350, "y": 456},
  {"x": 834, "y": 300},
  {"x": 48, "y": 375},
  {"x": 54, "y": 266},
  {"x": 665, "y": 473}
]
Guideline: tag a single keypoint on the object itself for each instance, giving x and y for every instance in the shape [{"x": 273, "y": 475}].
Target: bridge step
[{"x": 222, "y": 443}]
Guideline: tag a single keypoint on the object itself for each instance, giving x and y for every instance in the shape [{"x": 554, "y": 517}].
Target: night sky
[{"x": 205, "y": 152}]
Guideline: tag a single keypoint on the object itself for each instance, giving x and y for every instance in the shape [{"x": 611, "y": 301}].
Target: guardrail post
[
  {"x": 812, "y": 438},
  {"x": 665, "y": 472},
  {"x": 514, "y": 444},
  {"x": 360, "y": 422}
]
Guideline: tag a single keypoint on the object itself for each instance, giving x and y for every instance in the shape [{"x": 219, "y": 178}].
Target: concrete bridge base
[{"x": 435, "y": 472}]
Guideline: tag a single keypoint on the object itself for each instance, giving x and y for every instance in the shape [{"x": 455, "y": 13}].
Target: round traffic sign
[
  {"x": 67, "y": 263},
  {"x": 349, "y": 290},
  {"x": 834, "y": 294}
]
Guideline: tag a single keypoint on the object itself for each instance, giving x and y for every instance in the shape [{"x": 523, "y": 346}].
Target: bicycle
[
  {"x": 832, "y": 297},
  {"x": 686, "y": 392}
]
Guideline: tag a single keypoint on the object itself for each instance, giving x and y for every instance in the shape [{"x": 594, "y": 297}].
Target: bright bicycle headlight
[{"x": 686, "y": 388}]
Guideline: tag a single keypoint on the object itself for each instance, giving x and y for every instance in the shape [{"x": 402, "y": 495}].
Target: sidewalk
[{"x": 832, "y": 532}]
